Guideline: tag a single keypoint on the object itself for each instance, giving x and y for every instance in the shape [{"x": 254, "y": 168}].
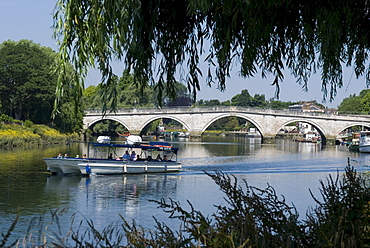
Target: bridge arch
[
  {"x": 352, "y": 125},
  {"x": 164, "y": 117},
  {"x": 315, "y": 124},
  {"x": 233, "y": 115},
  {"x": 312, "y": 123},
  {"x": 107, "y": 118}
]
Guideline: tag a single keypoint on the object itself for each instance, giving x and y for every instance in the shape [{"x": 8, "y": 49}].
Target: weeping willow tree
[{"x": 159, "y": 40}]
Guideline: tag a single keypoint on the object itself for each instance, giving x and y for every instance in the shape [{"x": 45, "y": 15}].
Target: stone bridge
[{"x": 197, "y": 120}]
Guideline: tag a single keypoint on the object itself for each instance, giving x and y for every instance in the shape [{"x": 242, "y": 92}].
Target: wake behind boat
[{"x": 153, "y": 157}]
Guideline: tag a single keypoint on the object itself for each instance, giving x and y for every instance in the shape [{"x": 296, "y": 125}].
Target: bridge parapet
[{"x": 223, "y": 109}]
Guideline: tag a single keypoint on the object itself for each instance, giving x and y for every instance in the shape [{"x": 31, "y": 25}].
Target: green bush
[
  {"x": 6, "y": 118},
  {"x": 28, "y": 123}
]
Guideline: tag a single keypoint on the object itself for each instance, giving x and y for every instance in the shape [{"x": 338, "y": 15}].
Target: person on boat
[
  {"x": 133, "y": 156},
  {"x": 165, "y": 158},
  {"x": 126, "y": 156},
  {"x": 158, "y": 158},
  {"x": 110, "y": 156},
  {"x": 60, "y": 155},
  {"x": 84, "y": 156}
]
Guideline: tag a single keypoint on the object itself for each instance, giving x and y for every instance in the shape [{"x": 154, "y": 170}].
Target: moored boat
[
  {"x": 354, "y": 144},
  {"x": 355, "y": 147},
  {"x": 364, "y": 143}
]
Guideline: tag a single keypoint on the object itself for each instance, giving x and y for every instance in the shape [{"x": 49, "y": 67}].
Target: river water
[{"x": 291, "y": 168}]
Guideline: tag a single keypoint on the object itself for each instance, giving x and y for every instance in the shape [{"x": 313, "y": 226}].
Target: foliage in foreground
[{"x": 252, "y": 217}]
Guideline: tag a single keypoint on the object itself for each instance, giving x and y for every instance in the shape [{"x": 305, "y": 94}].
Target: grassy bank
[{"x": 28, "y": 134}]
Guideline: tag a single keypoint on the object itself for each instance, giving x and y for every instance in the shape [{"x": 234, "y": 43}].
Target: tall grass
[{"x": 251, "y": 217}]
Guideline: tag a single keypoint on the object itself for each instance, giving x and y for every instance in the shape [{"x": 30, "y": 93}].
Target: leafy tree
[
  {"x": 182, "y": 96},
  {"x": 365, "y": 102},
  {"x": 27, "y": 86},
  {"x": 228, "y": 124},
  {"x": 242, "y": 99},
  {"x": 130, "y": 95},
  {"x": 124, "y": 93},
  {"x": 28, "y": 81},
  {"x": 200, "y": 102},
  {"x": 156, "y": 38},
  {"x": 180, "y": 101},
  {"x": 279, "y": 104},
  {"x": 68, "y": 120},
  {"x": 107, "y": 127},
  {"x": 350, "y": 104},
  {"x": 356, "y": 104},
  {"x": 212, "y": 102},
  {"x": 226, "y": 103},
  {"x": 89, "y": 96},
  {"x": 258, "y": 101}
]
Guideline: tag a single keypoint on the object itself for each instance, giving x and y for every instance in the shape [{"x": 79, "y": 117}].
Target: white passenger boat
[
  {"x": 364, "y": 143},
  {"x": 148, "y": 159}
]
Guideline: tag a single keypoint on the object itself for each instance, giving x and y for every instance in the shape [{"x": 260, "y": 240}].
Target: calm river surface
[{"x": 291, "y": 168}]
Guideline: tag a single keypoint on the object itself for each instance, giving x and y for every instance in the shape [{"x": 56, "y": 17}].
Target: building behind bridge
[{"x": 306, "y": 107}]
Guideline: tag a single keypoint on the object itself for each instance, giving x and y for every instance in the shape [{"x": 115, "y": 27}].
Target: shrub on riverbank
[
  {"x": 252, "y": 217},
  {"x": 26, "y": 134},
  {"x": 212, "y": 132}
]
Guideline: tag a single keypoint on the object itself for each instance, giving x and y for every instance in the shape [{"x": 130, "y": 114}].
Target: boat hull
[
  {"x": 364, "y": 148},
  {"x": 104, "y": 168},
  {"x": 63, "y": 165},
  {"x": 53, "y": 166},
  {"x": 364, "y": 143},
  {"x": 354, "y": 148},
  {"x": 78, "y": 166}
]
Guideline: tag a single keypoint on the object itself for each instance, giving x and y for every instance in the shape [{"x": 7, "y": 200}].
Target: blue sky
[{"x": 25, "y": 19}]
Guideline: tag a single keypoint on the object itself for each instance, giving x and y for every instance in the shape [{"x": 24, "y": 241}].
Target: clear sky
[{"x": 32, "y": 20}]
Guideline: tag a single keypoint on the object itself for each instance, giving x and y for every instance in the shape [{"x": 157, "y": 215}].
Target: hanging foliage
[{"x": 160, "y": 39}]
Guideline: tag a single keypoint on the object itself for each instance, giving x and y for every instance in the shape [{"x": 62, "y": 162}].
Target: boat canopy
[{"x": 157, "y": 146}]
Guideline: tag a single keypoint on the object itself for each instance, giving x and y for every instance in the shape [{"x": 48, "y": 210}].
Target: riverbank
[{"x": 23, "y": 135}]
